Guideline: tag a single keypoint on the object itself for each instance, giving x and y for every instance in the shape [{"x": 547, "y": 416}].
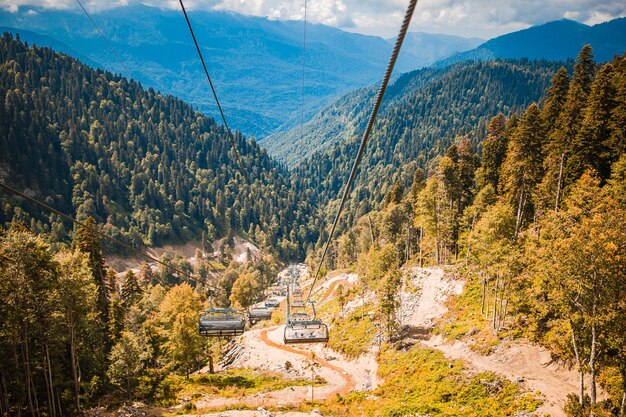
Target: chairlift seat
[
  {"x": 220, "y": 322},
  {"x": 311, "y": 331},
  {"x": 272, "y": 303},
  {"x": 260, "y": 313},
  {"x": 299, "y": 317}
]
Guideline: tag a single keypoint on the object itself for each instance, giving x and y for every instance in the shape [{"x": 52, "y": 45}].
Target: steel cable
[{"x": 366, "y": 134}]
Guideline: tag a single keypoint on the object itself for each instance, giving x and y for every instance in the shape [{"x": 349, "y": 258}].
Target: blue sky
[{"x": 470, "y": 18}]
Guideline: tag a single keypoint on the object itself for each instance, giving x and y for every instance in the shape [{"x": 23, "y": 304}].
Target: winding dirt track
[{"x": 349, "y": 382}]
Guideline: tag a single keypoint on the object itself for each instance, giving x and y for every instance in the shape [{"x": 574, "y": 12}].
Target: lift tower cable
[
  {"x": 368, "y": 130},
  {"x": 219, "y": 106},
  {"x": 106, "y": 41},
  {"x": 303, "y": 73}
]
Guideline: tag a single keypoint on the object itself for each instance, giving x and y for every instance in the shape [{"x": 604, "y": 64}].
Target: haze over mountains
[
  {"x": 344, "y": 119},
  {"x": 256, "y": 63}
]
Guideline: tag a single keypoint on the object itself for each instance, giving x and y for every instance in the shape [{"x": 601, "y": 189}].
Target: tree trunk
[
  {"x": 369, "y": 220},
  {"x": 502, "y": 294},
  {"x": 36, "y": 399},
  {"x": 520, "y": 207},
  {"x": 558, "y": 184},
  {"x": 506, "y": 306},
  {"x": 4, "y": 400},
  {"x": 581, "y": 371},
  {"x": 420, "y": 246},
  {"x": 592, "y": 356},
  {"x": 487, "y": 300},
  {"x": 495, "y": 301},
  {"x": 59, "y": 403},
  {"x": 17, "y": 367},
  {"x": 622, "y": 408},
  {"x": 47, "y": 369},
  {"x": 211, "y": 365},
  {"x": 27, "y": 371},
  {"x": 482, "y": 302},
  {"x": 75, "y": 365}
]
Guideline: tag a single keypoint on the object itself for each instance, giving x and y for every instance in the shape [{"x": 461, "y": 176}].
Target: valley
[
  {"x": 154, "y": 263},
  {"x": 261, "y": 350}
]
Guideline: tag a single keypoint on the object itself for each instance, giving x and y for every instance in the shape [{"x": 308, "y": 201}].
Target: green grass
[
  {"x": 422, "y": 381},
  {"x": 465, "y": 315},
  {"x": 233, "y": 383},
  {"x": 352, "y": 335}
]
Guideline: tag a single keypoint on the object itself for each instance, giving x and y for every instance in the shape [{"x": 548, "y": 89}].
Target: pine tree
[
  {"x": 523, "y": 167},
  {"x": 131, "y": 290},
  {"x": 591, "y": 149},
  {"x": 550, "y": 188},
  {"x": 88, "y": 242},
  {"x": 494, "y": 151},
  {"x": 568, "y": 123},
  {"x": 418, "y": 184},
  {"x": 555, "y": 99},
  {"x": 617, "y": 141}
]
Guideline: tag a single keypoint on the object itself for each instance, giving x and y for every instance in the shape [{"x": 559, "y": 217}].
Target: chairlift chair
[
  {"x": 260, "y": 313},
  {"x": 272, "y": 303},
  {"x": 301, "y": 328},
  {"x": 311, "y": 331},
  {"x": 220, "y": 322},
  {"x": 293, "y": 317}
]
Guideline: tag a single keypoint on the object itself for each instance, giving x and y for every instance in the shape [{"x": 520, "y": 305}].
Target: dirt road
[{"x": 518, "y": 361}]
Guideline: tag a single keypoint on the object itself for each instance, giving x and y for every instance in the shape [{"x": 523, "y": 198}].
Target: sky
[{"x": 469, "y": 18}]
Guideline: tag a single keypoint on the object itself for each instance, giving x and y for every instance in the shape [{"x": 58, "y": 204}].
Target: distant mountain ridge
[
  {"x": 554, "y": 41},
  {"x": 255, "y": 62}
]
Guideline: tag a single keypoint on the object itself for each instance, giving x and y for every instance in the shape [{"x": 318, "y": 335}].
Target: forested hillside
[
  {"x": 513, "y": 173},
  {"x": 428, "y": 111},
  {"x": 537, "y": 224},
  {"x": 146, "y": 166},
  {"x": 255, "y": 62}
]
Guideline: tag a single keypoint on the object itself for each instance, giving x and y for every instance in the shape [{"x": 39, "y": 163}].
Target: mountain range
[
  {"x": 255, "y": 63},
  {"x": 556, "y": 41}
]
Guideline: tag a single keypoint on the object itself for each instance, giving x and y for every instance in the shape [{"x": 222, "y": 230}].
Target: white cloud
[{"x": 482, "y": 18}]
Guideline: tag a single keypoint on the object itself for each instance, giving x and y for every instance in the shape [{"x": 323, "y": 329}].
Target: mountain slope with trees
[
  {"x": 537, "y": 224},
  {"x": 427, "y": 111},
  {"x": 256, "y": 62},
  {"x": 558, "y": 41},
  {"x": 146, "y": 166}
]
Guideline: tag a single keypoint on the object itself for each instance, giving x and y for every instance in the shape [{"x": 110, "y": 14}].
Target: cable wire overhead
[
  {"x": 368, "y": 130},
  {"x": 303, "y": 74},
  {"x": 113, "y": 51},
  {"x": 219, "y": 106}
]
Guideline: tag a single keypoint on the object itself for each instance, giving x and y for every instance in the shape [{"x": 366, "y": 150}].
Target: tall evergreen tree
[
  {"x": 88, "y": 242},
  {"x": 131, "y": 290},
  {"x": 591, "y": 149},
  {"x": 568, "y": 123},
  {"x": 494, "y": 151},
  {"x": 523, "y": 167},
  {"x": 555, "y": 99}
]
